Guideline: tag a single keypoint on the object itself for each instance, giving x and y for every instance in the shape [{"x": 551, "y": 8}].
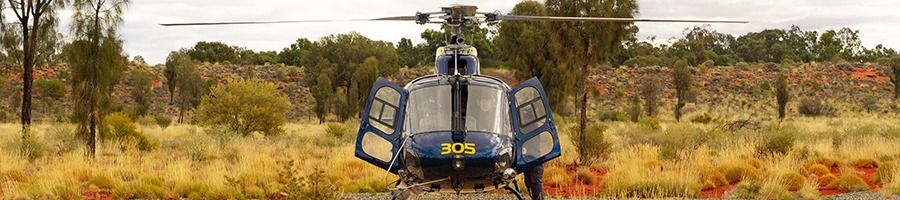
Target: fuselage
[{"x": 458, "y": 127}]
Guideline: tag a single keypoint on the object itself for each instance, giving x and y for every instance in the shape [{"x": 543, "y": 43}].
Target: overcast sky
[{"x": 878, "y": 20}]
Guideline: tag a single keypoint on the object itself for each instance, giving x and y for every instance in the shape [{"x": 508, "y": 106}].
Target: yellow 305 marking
[{"x": 458, "y": 148}]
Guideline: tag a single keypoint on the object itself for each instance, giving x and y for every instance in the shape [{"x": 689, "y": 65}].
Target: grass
[
  {"x": 188, "y": 163},
  {"x": 657, "y": 158}
]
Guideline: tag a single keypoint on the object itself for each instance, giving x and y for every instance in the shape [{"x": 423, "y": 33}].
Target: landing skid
[{"x": 515, "y": 190}]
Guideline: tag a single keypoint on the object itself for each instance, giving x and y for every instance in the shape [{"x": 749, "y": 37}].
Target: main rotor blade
[
  {"x": 397, "y": 18},
  {"x": 605, "y": 19}
]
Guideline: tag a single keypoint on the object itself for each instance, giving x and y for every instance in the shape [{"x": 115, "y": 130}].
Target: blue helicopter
[{"x": 457, "y": 130}]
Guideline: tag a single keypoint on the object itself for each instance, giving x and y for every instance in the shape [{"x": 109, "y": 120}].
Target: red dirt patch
[
  {"x": 717, "y": 192},
  {"x": 100, "y": 195},
  {"x": 866, "y": 173},
  {"x": 576, "y": 188}
]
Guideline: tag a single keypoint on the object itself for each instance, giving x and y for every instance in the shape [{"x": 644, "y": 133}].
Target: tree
[
  {"x": 683, "y": 79},
  {"x": 701, "y": 43},
  {"x": 176, "y": 59},
  {"x": 585, "y": 44},
  {"x": 293, "y": 54},
  {"x": 141, "y": 83},
  {"x": 782, "y": 96},
  {"x": 651, "y": 87},
  {"x": 34, "y": 41},
  {"x": 363, "y": 79},
  {"x": 634, "y": 111},
  {"x": 895, "y": 75},
  {"x": 50, "y": 88},
  {"x": 96, "y": 58},
  {"x": 322, "y": 92},
  {"x": 526, "y": 44},
  {"x": 245, "y": 107},
  {"x": 213, "y": 52},
  {"x": 190, "y": 87},
  {"x": 408, "y": 53}
]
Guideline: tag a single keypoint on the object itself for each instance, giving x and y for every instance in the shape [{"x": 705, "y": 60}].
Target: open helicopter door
[
  {"x": 378, "y": 139},
  {"x": 536, "y": 139}
]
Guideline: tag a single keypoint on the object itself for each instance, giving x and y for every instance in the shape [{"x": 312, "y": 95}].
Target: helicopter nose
[{"x": 458, "y": 162}]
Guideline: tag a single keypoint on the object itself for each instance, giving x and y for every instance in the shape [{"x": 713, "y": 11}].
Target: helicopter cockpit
[{"x": 430, "y": 106}]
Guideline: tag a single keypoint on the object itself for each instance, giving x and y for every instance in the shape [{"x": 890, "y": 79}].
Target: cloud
[{"x": 876, "y": 19}]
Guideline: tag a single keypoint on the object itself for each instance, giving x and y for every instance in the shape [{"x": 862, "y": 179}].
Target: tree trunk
[
  {"x": 92, "y": 143},
  {"x": 582, "y": 122},
  {"x": 27, "y": 74}
]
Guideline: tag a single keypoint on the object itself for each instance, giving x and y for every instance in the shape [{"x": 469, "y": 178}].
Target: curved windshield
[
  {"x": 430, "y": 109},
  {"x": 487, "y": 110}
]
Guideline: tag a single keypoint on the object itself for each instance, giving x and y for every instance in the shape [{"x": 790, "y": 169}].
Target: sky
[{"x": 877, "y": 20}]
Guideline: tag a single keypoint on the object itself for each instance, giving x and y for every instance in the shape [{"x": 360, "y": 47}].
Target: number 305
[{"x": 458, "y": 148}]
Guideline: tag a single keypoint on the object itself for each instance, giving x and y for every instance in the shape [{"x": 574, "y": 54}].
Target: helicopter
[{"x": 457, "y": 130}]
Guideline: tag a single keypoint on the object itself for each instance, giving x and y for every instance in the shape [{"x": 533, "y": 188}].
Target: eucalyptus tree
[
  {"x": 31, "y": 40},
  {"x": 96, "y": 59}
]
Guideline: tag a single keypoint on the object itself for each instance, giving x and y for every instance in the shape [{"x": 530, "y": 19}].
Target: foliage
[
  {"x": 634, "y": 110},
  {"x": 93, "y": 79},
  {"x": 336, "y": 130},
  {"x": 613, "y": 116},
  {"x": 190, "y": 87},
  {"x": 815, "y": 107},
  {"x": 52, "y": 88},
  {"x": 895, "y": 75},
  {"x": 175, "y": 61},
  {"x": 363, "y": 79},
  {"x": 141, "y": 83},
  {"x": 782, "y": 95},
  {"x": 651, "y": 89},
  {"x": 293, "y": 55},
  {"x": 779, "y": 141},
  {"x": 683, "y": 79},
  {"x": 162, "y": 121},
  {"x": 849, "y": 182},
  {"x": 323, "y": 94},
  {"x": 122, "y": 129},
  {"x": 702, "y": 118},
  {"x": 596, "y": 146},
  {"x": 312, "y": 185},
  {"x": 245, "y": 106}
]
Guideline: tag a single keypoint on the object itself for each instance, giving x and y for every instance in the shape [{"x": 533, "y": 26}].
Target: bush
[
  {"x": 595, "y": 145},
  {"x": 121, "y": 128},
  {"x": 737, "y": 173},
  {"x": 162, "y": 121},
  {"x": 703, "y": 118},
  {"x": 814, "y": 107},
  {"x": 51, "y": 88},
  {"x": 818, "y": 170},
  {"x": 864, "y": 163},
  {"x": 885, "y": 173},
  {"x": 336, "y": 130},
  {"x": 869, "y": 103},
  {"x": 584, "y": 176},
  {"x": 792, "y": 180},
  {"x": 778, "y": 142},
  {"x": 245, "y": 107},
  {"x": 30, "y": 147},
  {"x": 634, "y": 111},
  {"x": 613, "y": 116},
  {"x": 849, "y": 182},
  {"x": 683, "y": 80}
]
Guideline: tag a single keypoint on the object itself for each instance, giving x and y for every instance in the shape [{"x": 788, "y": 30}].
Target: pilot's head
[{"x": 485, "y": 104}]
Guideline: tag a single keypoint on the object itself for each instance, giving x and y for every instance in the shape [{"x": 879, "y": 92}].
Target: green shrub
[
  {"x": 594, "y": 145},
  {"x": 51, "y": 88},
  {"x": 192, "y": 190},
  {"x": 30, "y": 146},
  {"x": 102, "y": 181},
  {"x": 141, "y": 190},
  {"x": 313, "y": 185},
  {"x": 815, "y": 107},
  {"x": 650, "y": 122},
  {"x": 162, "y": 121},
  {"x": 737, "y": 173},
  {"x": 121, "y": 128},
  {"x": 337, "y": 130},
  {"x": 703, "y": 118},
  {"x": 778, "y": 141},
  {"x": 849, "y": 182},
  {"x": 613, "y": 116},
  {"x": 245, "y": 107},
  {"x": 634, "y": 110}
]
